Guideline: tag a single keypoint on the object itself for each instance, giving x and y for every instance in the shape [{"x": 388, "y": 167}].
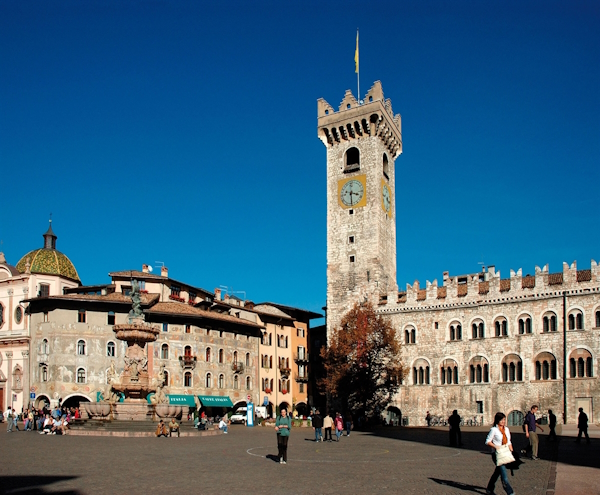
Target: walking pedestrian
[
  {"x": 582, "y": 424},
  {"x": 454, "y": 422},
  {"x": 428, "y": 419},
  {"x": 15, "y": 419},
  {"x": 348, "y": 424},
  {"x": 283, "y": 426},
  {"x": 339, "y": 425},
  {"x": 327, "y": 424},
  {"x": 9, "y": 420},
  {"x": 552, "y": 426},
  {"x": 317, "y": 422},
  {"x": 530, "y": 431},
  {"x": 497, "y": 438}
]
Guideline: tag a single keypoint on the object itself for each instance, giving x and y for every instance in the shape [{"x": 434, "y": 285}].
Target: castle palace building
[{"x": 477, "y": 343}]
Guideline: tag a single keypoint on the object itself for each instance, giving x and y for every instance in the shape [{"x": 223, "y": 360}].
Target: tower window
[
  {"x": 386, "y": 167},
  {"x": 352, "y": 160},
  {"x": 351, "y": 239},
  {"x": 352, "y": 259},
  {"x": 350, "y": 212}
]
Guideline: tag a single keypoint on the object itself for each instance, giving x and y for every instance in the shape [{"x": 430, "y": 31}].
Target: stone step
[{"x": 116, "y": 433}]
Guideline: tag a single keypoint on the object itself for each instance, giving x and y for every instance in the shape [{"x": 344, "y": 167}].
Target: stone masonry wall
[{"x": 432, "y": 316}]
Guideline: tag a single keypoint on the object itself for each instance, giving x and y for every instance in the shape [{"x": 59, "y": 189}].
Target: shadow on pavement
[
  {"x": 272, "y": 457},
  {"x": 460, "y": 486},
  {"x": 577, "y": 454},
  {"x": 33, "y": 485}
]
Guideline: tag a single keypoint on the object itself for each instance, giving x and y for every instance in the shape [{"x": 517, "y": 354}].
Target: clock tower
[{"x": 363, "y": 140}]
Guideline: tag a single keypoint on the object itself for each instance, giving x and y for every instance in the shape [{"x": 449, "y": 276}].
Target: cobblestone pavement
[{"x": 410, "y": 460}]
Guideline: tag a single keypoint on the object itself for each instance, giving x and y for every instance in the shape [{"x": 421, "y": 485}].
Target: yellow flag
[{"x": 356, "y": 54}]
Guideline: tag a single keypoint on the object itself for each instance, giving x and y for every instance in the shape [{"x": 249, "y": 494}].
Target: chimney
[
  {"x": 164, "y": 271},
  {"x": 217, "y": 294},
  {"x": 145, "y": 269}
]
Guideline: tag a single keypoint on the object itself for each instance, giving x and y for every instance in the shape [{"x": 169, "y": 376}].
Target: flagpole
[{"x": 357, "y": 68}]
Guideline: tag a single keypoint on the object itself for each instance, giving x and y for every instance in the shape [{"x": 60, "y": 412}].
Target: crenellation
[{"x": 348, "y": 102}]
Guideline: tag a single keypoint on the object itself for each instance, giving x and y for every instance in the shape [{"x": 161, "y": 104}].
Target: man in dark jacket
[
  {"x": 552, "y": 425},
  {"x": 582, "y": 424},
  {"x": 317, "y": 423},
  {"x": 530, "y": 431},
  {"x": 454, "y": 422}
]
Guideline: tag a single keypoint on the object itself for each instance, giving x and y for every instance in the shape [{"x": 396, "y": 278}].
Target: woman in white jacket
[{"x": 499, "y": 435}]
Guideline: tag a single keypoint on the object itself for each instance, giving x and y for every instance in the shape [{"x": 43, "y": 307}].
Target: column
[
  {"x": 26, "y": 381},
  {"x": 9, "y": 398}
]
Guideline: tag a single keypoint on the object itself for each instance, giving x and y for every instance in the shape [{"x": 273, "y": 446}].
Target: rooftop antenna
[
  {"x": 482, "y": 265},
  {"x": 231, "y": 291}
]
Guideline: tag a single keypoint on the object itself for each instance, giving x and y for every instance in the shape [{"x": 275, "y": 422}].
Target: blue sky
[{"x": 185, "y": 132}]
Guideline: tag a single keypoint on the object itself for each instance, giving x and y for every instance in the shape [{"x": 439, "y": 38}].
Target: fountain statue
[{"x": 126, "y": 395}]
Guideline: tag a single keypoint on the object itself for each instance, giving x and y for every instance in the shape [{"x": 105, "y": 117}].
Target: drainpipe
[{"x": 564, "y": 357}]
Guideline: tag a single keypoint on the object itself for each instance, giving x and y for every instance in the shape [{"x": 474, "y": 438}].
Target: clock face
[
  {"x": 352, "y": 192},
  {"x": 386, "y": 198}
]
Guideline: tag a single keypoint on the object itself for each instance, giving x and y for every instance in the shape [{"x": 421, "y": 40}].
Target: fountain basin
[
  {"x": 136, "y": 332},
  {"x": 167, "y": 411},
  {"x": 97, "y": 409}
]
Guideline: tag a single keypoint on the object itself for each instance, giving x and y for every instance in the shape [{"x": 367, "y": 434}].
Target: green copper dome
[{"x": 48, "y": 260}]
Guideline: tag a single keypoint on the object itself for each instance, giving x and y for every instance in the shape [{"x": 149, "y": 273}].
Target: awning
[
  {"x": 182, "y": 400},
  {"x": 215, "y": 401}
]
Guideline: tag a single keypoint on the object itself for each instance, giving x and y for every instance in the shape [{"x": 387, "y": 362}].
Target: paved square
[{"x": 385, "y": 461}]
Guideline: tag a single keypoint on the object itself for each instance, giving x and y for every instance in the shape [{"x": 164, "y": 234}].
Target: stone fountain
[{"x": 126, "y": 395}]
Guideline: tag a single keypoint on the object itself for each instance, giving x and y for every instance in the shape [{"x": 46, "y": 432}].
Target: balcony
[
  {"x": 284, "y": 370},
  {"x": 237, "y": 367},
  {"x": 301, "y": 357},
  {"x": 302, "y": 377},
  {"x": 188, "y": 361}
]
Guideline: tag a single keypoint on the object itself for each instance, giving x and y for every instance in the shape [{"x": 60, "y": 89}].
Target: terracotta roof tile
[
  {"x": 555, "y": 278},
  {"x": 484, "y": 287},
  {"x": 401, "y": 297},
  {"x": 441, "y": 292},
  {"x": 528, "y": 282},
  {"x": 167, "y": 280},
  {"x": 462, "y": 290},
  {"x": 584, "y": 275},
  {"x": 118, "y": 297},
  {"x": 175, "y": 308},
  {"x": 421, "y": 295},
  {"x": 271, "y": 310},
  {"x": 136, "y": 273},
  {"x": 504, "y": 284}
]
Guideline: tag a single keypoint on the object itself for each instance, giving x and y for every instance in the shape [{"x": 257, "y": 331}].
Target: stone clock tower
[{"x": 363, "y": 141}]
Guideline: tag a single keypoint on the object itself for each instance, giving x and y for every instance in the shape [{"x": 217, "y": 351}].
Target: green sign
[
  {"x": 215, "y": 401},
  {"x": 182, "y": 400}
]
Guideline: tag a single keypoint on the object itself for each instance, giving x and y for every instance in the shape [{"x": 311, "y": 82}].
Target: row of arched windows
[
  {"x": 187, "y": 351},
  {"x": 575, "y": 321},
  {"x": 581, "y": 365},
  {"x": 208, "y": 381}
]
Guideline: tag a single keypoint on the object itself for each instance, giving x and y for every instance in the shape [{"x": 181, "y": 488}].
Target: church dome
[{"x": 48, "y": 260}]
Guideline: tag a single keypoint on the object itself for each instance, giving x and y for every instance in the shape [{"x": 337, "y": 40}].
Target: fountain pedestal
[{"x": 134, "y": 383}]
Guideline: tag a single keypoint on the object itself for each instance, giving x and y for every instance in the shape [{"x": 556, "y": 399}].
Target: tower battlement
[
  {"x": 488, "y": 286},
  {"x": 353, "y": 120}
]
